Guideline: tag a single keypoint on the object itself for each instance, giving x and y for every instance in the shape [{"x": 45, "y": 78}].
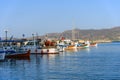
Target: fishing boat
[
  {"x": 49, "y": 50},
  {"x": 82, "y": 45},
  {"x": 33, "y": 46},
  {"x": 2, "y": 54},
  {"x": 62, "y": 44},
  {"x": 49, "y": 47},
  {"x": 93, "y": 44},
  {"x": 10, "y": 49},
  {"x": 70, "y": 47},
  {"x": 15, "y": 52},
  {"x": 61, "y": 48}
]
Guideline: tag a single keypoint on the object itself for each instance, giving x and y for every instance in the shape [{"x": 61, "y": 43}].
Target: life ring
[{"x": 47, "y": 50}]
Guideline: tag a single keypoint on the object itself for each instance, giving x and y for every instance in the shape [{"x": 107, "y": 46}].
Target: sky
[{"x": 26, "y": 17}]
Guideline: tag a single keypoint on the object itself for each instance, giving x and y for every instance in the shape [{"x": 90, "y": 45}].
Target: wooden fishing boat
[
  {"x": 17, "y": 54},
  {"x": 93, "y": 44},
  {"x": 13, "y": 51},
  {"x": 81, "y": 46},
  {"x": 70, "y": 47}
]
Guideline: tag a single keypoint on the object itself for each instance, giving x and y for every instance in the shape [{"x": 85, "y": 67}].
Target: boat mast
[
  {"x": 34, "y": 38},
  {"x": 73, "y": 31},
  {"x": 73, "y": 34}
]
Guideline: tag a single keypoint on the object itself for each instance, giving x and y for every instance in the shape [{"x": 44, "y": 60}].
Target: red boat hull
[{"x": 19, "y": 55}]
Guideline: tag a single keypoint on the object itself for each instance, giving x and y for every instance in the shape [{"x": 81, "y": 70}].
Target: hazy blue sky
[{"x": 45, "y": 16}]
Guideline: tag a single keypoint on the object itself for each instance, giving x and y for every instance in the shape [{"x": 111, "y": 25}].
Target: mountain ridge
[{"x": 85, "y": 34}]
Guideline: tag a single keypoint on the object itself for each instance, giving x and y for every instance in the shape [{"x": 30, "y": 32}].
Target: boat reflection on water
[
  {"x": 19, "y": 58},
  {"x": 87, "y": 49},
  {"x": 9, "y": 59},
  {"x": 72, "y": 50},
  {"x": 15, "y": 62},
  {"x": 49, "y": 56},
  {"x": 42, "y": 58}
]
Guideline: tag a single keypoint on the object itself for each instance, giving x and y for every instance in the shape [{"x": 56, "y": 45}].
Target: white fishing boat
[
  {"x": 33, "y": 46},
  {"x": 49, "y": 48},
  {"x": 61, "y": 46}
]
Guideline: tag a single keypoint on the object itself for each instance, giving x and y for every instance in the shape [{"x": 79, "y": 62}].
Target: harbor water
[{"x": 94, "y": 63}]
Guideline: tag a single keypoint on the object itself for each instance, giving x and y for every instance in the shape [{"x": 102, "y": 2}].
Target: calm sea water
[{"x": 94, "y": 63}]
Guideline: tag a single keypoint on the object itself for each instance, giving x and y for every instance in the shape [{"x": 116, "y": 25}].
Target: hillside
[{"x": 91, "y": 34}]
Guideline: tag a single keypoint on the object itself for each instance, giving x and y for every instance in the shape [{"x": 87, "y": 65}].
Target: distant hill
[{"x": 91, "y": 34}]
